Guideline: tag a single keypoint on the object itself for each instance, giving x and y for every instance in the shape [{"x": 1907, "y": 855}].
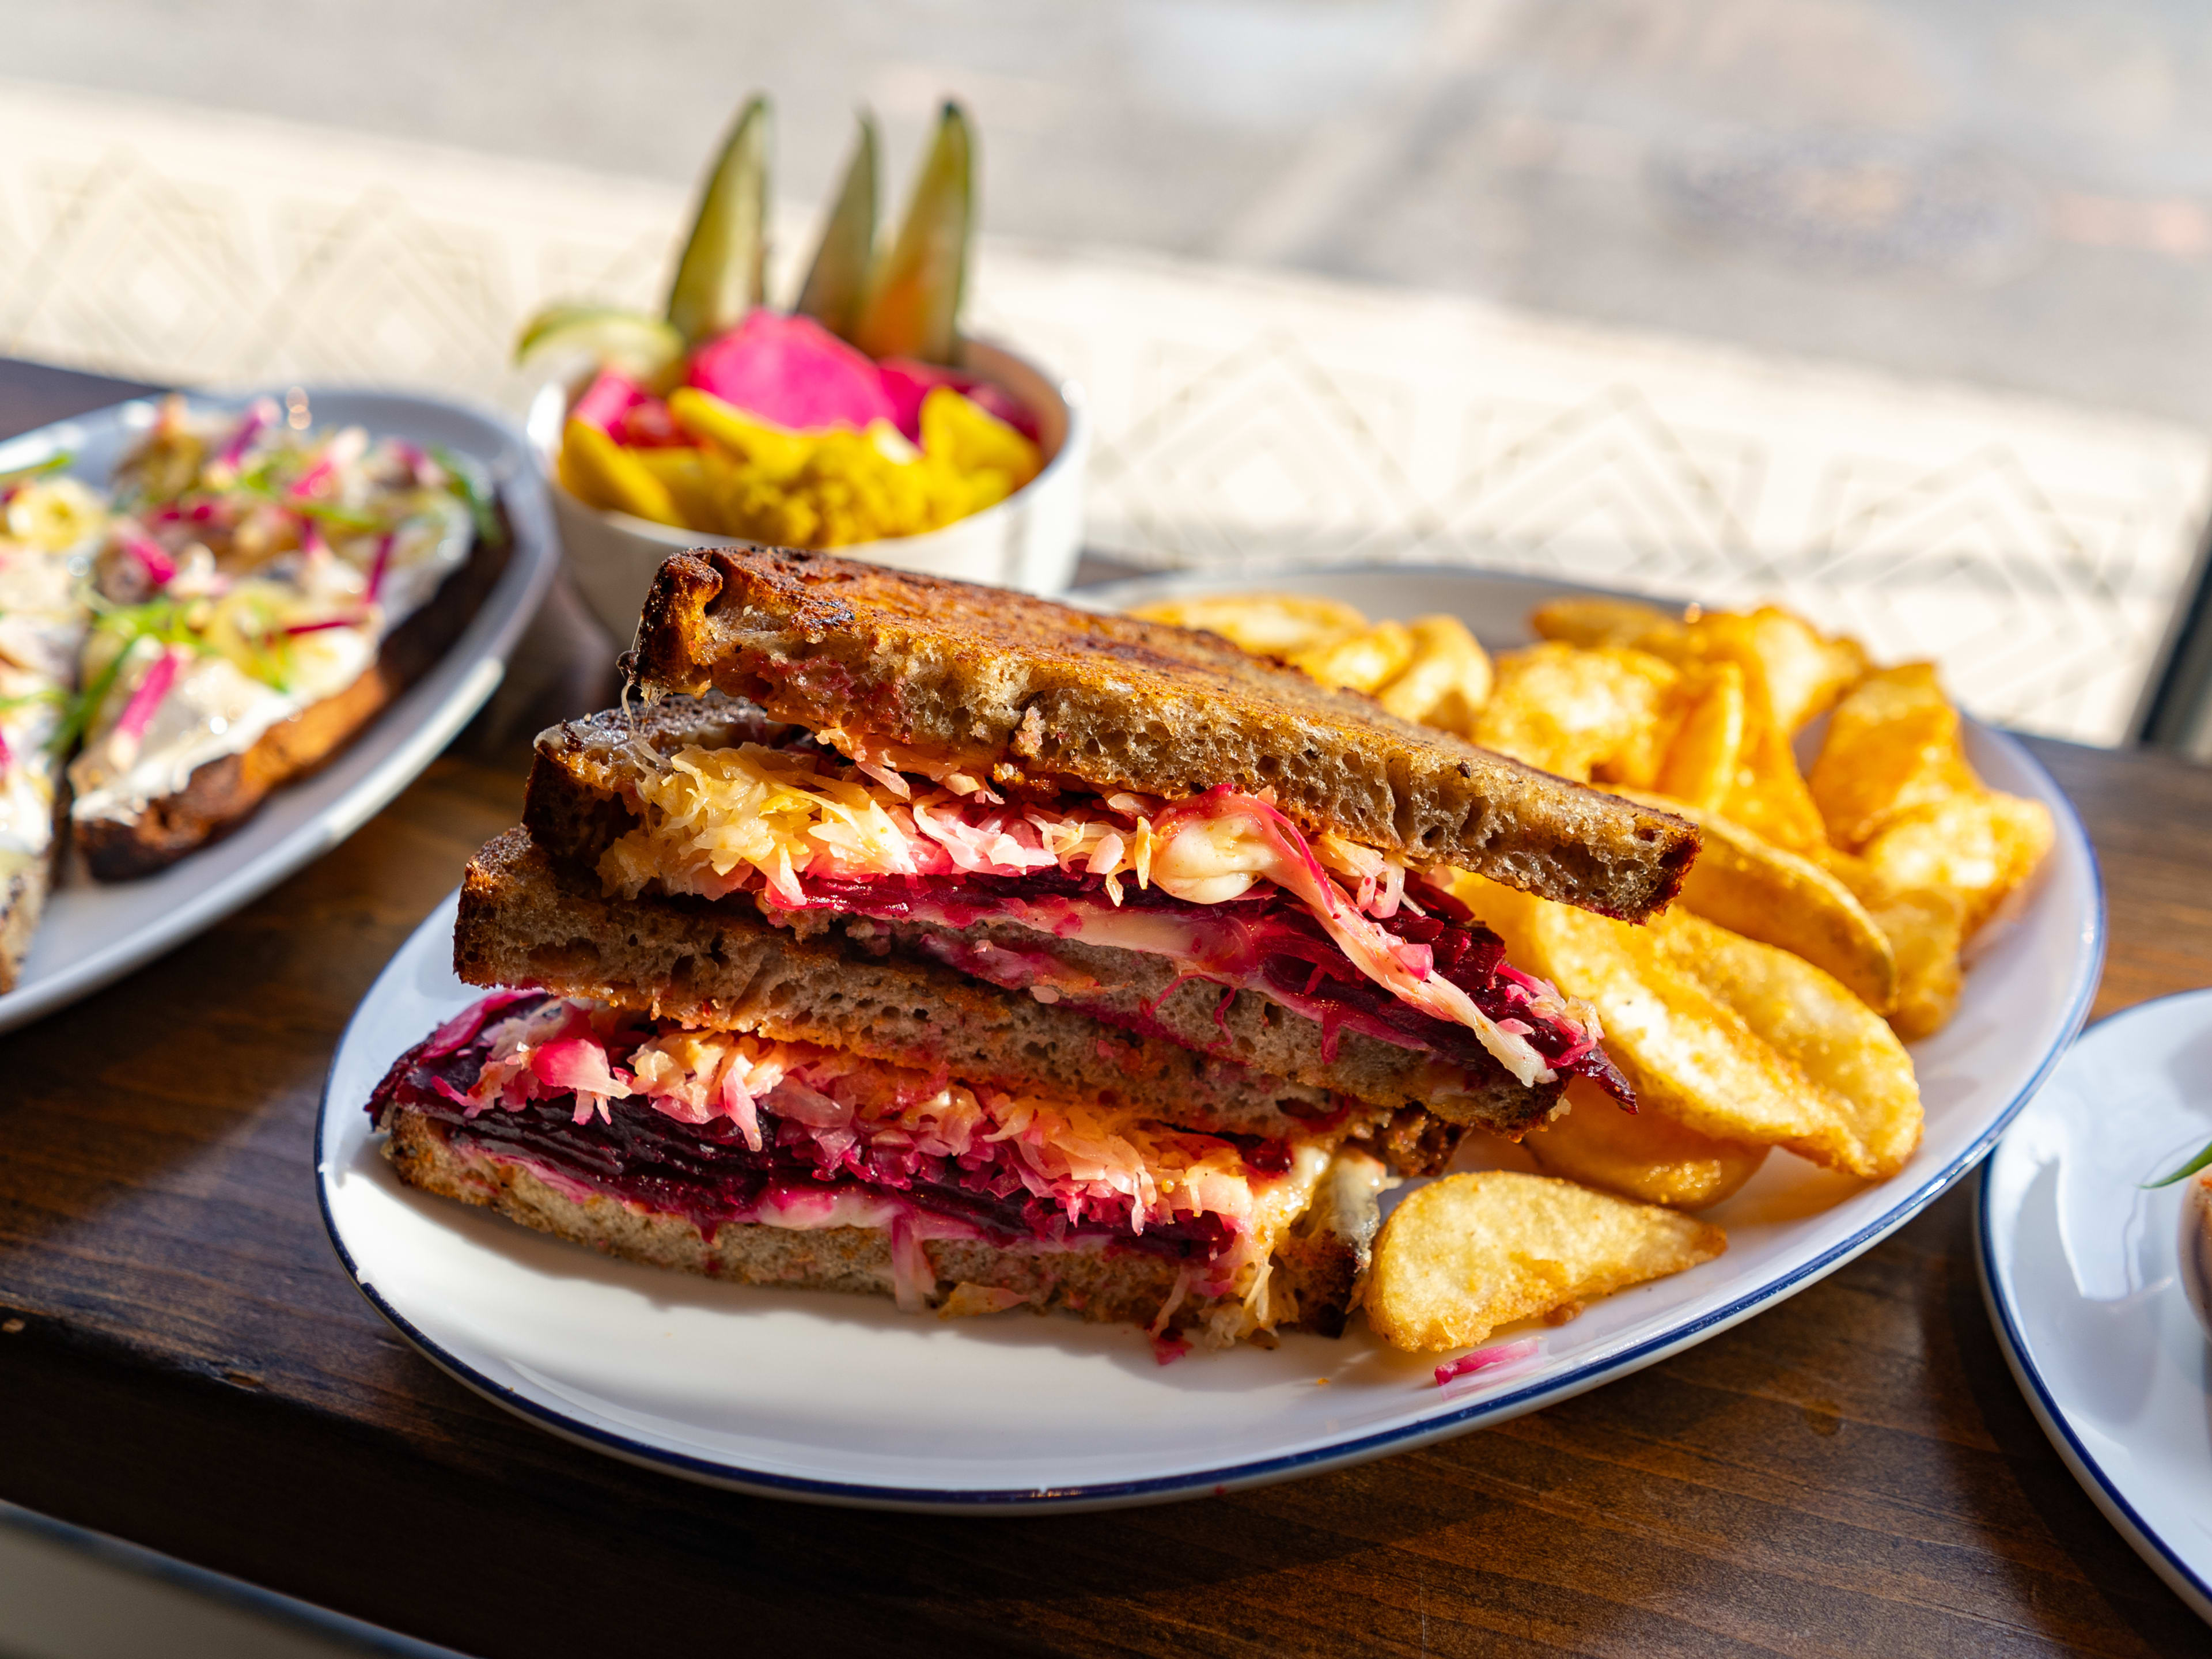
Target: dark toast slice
[
  {"x": 1041, "y": 696},
  {"x": 224, "y": 792},
  {"x": 586, "y": 771}
]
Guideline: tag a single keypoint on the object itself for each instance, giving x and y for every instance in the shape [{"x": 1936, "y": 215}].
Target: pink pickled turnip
[
  {"x": 794, "y": 372},
  {"x": 610, "y": 396}
]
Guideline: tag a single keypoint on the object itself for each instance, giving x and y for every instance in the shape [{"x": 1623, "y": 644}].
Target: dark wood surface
[{"x": 183, "y": 1364}]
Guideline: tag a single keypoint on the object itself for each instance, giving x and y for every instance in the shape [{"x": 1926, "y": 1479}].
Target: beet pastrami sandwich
[{"x": 922, "y": 937}]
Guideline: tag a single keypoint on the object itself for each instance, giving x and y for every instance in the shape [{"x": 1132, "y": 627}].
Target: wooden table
[{"x": 183, "y": 1364}]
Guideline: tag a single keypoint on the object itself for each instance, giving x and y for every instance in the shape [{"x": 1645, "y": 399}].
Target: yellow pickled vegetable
[
  {"x": 749, "y": 477},
  {"x": 596, "y": 469}
]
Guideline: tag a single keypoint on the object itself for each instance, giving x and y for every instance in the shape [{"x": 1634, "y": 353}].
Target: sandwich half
[
  {"x": 765, "y": 1162},
  {"x": 1134, "y": 821}
]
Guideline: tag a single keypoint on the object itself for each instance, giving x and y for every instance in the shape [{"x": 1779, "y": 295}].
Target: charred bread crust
[
  {"x": 574, "y": 808},
  {"x": 1041, "y": 696},
  {"x": 523, "y": 921},
  {"x": 1103, "y": 1286},
  {"x": 223, "y": 794}
]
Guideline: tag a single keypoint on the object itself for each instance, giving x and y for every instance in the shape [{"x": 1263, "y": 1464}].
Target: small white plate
[
  {"x": 843, "y": 1400},
  {"x": 2081, "y": 1267},
  {"x": 97, "y": 932}
]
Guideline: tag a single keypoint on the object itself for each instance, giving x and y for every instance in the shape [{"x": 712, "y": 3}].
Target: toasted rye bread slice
[
  {"x": 1316, "y": 1264},
  {"x": 224, "y": 792},
  {"x": 586, "y": 773},
  {"x": 1043, "y": 696}
]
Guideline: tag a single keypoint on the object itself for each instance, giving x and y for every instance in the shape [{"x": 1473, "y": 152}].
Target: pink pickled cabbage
[
  {"x": 794, "y": 372},
  {"x": 461, "y": 1029},
  {"x": 1483, "y": 1359},
  {"x": 610, "y": 396},
  {"x": 1083, "y": 1160}
]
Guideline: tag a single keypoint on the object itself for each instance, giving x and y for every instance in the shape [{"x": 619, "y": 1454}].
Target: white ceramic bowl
[{"x": 1030, "y": 540}]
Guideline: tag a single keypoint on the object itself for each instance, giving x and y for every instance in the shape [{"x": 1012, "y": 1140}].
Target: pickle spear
[
  {"x": 838, "y": 278},
  {"x": 723, "y": 271},
  {"x": 913, "y": 304}
]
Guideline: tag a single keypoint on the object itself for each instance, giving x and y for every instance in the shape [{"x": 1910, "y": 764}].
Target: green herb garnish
[
  {"x": 2202, "y": 1160},
  {"x": 490, "y": 530}
]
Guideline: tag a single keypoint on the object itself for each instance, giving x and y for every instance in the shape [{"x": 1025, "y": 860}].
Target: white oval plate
[
  {"x": 95, "y": 931},
  {"x": 2079, "y": 1264},
  {"x": 843, "y": 1400}
]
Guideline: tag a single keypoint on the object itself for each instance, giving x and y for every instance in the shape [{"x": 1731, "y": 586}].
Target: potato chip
[
  {"x": 1926, "y": 930},
  {"x": 1768, "y": 794},
  {"x": 1464, "y": 1254},
  {"x": 1447, "y": 682},
  {"x": 1893, "y": 744},
  {"x": 1577, "y": 712},
  {"x": 1754, "y": 888},
  {"x": 1267, "y": 624},
  {"x": 1361, "y": 661},
  {"x": 1834, "y": 1040},
  {"x": 1755, "y": 1046},
  {"x": 1705, "y": 752},
  {"x": 1598, "y": 621},
  {"x": 1806, "y": 671},
  {"x": 1978, "y": 847},
  {"x": 1640, "y": 1155}
]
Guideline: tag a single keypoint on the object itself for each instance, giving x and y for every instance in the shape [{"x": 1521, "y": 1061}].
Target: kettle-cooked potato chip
[
  {"x": 1267, "y": 624},
  {"x": 1448, "y": 681},
  {"x": 1599, "y": 621},
  {"x": 1925, "y": 927},
  {"x": 1892, "y": 745},
  {"x": 1469, "y": 1253},
  {"x": 1978, "y": 845},
  {"x": 1806, "y": 671},
  {"x": 1737, "y": 1040},
  {"x": 1578, "y": 714},
  {"x": 1362, "y": 660},
  {"x": 1752, "y": 887},
  {"x": 1706, "y": 753},
  {"x": 1640, "y": 1155},
  {"x": 1830, "y": 1037}
]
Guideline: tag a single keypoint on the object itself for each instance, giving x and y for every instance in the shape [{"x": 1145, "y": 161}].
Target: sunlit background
[{"x": 1895, "y": 311}]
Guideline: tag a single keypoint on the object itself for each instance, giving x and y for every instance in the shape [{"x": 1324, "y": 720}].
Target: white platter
[
  {"x": 2081, "y": 1267},
  {"x": 95, "y": 931},
  {"x": 842, "y": 1400}
]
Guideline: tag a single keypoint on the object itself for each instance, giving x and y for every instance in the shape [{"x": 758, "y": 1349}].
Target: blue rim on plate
[
  {"x": 1404, "y": 1437},
  {"x": 2103, "y": 1493}
]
